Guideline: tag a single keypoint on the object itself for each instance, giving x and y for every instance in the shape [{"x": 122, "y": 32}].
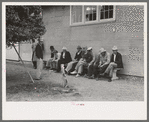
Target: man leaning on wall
[{"x": 115, "y": 62}]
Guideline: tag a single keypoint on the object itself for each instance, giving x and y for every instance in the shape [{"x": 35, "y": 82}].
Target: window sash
[{"x": 98, "y": 14}]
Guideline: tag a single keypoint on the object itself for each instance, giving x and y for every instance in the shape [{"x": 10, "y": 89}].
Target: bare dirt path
[{"x": 20, "y": 88}]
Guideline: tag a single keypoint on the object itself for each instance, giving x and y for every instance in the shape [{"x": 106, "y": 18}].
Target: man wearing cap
[
  {"x": 64, "y": 59},
  {"x": 39, "y": 54},
  {"x": 70, "y": 67},
  {"x": 104, "y": 61},
  {"x": 86, "y": 59},
  {"x": 115, "y": 62}
]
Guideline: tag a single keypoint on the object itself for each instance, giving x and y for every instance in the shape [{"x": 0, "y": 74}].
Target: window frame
[{"x": 98, "y": 20}]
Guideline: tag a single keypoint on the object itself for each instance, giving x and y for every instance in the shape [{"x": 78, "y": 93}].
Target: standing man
[
  {"x": 39, "y": 54},
  {"x": 116, "y": 62},
  {"x": 34, "y": 59},
  {"x": 104, "y": 61},
  {"x": 64, "y": 59}
]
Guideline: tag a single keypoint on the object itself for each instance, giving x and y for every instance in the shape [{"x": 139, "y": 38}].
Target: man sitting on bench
[
  {"x": 104, "y": 62},
  {"x": 64, "y": 59},
  {"x": 116, "y": 62}
]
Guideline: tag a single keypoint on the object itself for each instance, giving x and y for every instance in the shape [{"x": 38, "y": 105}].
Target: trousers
[
  {"x": 110, "y": 69},
  {"x": 39, "y": 68},
  {"x": 49, "y": 63},
  {"x": 79, "y": 66},
  {"x": 61, "y": 61},
  {"x": 92, "y": 70},
  {"x": 71, "y": 66}
]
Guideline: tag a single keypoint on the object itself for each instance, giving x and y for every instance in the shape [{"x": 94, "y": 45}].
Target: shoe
[
  {"x": 86, "y": 76},
  {"x": 57, "y": 71},
  {"x": 109, "y": 79},
  {"x": 37, "y": 78},
  {"x": 74, "y": 73},
  {"x": 77, "y": 75},
  {"x": 106, "y": 75},
  {"x": 65, "y": 71},
  {"x": 91, "y": 77},
  {"x": 97, "y": 79},
  {"x": 68, "y": 73}
]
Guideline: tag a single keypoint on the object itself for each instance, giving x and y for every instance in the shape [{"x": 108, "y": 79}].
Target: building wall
[
  {"x": 128, "y": 35},
  {"x": 11, "y": 53}
]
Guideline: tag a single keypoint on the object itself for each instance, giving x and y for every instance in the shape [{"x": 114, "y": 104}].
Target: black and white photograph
[{"x": 74, "y": 57}]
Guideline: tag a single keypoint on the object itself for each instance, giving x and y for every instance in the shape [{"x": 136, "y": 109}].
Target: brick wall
[{"x": 128, "y": 35}]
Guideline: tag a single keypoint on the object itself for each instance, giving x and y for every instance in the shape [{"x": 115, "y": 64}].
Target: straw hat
[
  {"x": 114, "y": 48},
  {"x": 64, "y": 48},
  {"x": 79, "y": 47},
  {"x": 102, "y": 50},
  {"x": 90, "y": 48}
]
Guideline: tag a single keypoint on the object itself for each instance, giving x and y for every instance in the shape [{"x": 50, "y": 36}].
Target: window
[
  {"x": 76, "y": 14},
  {"x": 106, "y": 12},
  {"x": 81, "y": 15},
  {"x": 90, "y": 13}
]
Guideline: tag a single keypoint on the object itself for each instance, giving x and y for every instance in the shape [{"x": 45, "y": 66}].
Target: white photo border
[{"x": 66, "y": 110}]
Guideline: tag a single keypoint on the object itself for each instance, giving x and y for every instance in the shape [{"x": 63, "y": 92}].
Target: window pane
[
  {"x": 106, "y": 15},
  {"x": 76, "y": 14},
  {"x": 110, "y": 7},
  {"x": 90, "y": 13},
  {"x": 106, "y": 7},
  {"x": 111, "y": 14},
  {"x": 106, "y": 12},
  {"x": 102, "y": 15},
  {"x": 94, "y": 16},
  {"x": 102, "y": 8}
]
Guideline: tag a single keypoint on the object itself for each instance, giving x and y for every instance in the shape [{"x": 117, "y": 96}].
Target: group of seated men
[{"x": 85, "y": 63}]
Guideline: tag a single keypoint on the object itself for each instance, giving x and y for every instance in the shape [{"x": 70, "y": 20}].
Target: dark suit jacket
[
  {"x": 39, "y": 51},
  {"x": 78, "y": 57},
  {"x": 88, "y": 57},
  {"x": 67, "y": 57},
  {"x": 118, "y": 60}
]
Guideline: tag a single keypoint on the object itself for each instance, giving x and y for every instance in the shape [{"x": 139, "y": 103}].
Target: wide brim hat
[
  {"x": 114, "y": 48},
  {"x": 90, "y": 48},
  {"x": 79, "y": 47},
  {"x": 102, "y": 50},
  {"x": 64, "y": 48}
]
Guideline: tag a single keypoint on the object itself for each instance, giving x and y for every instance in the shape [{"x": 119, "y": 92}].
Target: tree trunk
[{"x": 23, "y": 63}]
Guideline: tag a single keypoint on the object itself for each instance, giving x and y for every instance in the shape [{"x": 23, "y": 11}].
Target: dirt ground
[{"x": 20, "y": 88}]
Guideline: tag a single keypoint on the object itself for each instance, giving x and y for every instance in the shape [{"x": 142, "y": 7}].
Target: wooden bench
[{"x": 114, "y": 77}]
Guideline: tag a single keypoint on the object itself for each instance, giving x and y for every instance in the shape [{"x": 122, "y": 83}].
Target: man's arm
[
  {"x": 119, "y": 59},
  {"x": 37, "y": 51},
  {"x": 108, "y": 59}
]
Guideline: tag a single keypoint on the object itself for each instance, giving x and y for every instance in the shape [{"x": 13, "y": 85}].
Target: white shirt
[
  {"x": 114, "y": 57},
  {"x": 79, "y": 52},
  {"x": 63, "y": 54}
]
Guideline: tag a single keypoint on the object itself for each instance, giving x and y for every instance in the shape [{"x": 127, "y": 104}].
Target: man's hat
[
  {"x": 114, "y": 48},
  {"x": 90, "y": 48},
  {"x": 79, "y": 47},
  {"x": 64, "y": 48},
  {"x": 102, "y": 50}
]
